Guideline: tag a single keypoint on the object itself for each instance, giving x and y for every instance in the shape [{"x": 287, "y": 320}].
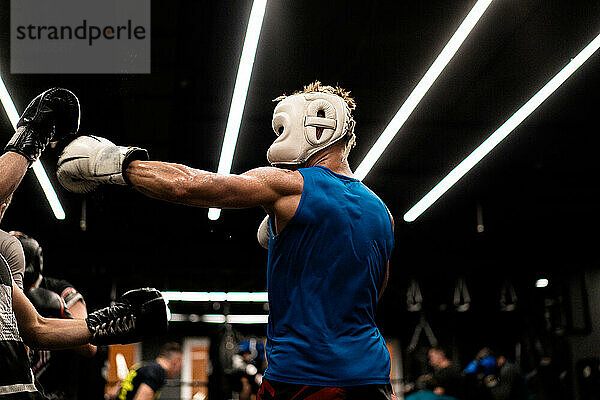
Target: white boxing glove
[
  {"x": 89, "y": 161},
  {"x": 263, "y": 233}
]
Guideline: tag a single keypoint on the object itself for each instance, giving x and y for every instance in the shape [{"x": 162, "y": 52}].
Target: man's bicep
[
  {"x": 27, "y": 316},
  {"x": 144, "y": 392},
  {"x": 259, "y": 187}
]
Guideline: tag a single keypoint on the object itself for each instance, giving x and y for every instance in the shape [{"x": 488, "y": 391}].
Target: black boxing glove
[
  {"x": 47, "y": 303},
  {"x": 135, "y": 316},
  {"x": 51, "y": 116}
]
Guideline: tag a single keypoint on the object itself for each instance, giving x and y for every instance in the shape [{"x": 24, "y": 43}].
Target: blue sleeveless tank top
[{"x": 324, "y": 272}]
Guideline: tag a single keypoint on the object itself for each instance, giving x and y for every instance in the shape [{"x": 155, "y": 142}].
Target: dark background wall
[{"x": 536, "y": 190}]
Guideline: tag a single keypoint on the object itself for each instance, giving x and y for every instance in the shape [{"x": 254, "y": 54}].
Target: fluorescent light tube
[
  {"x": 502, "y": 132},
  {"x": 421, "y": 89},
  {"x": 256, "y": 297},
  {"x": 240, "y": 91}
]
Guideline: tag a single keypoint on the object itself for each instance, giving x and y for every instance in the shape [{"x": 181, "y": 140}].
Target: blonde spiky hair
[{"x": 317, "y": 86}]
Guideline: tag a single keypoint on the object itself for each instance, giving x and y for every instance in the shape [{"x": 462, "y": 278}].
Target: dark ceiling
[{"x": 536, "y": 189}]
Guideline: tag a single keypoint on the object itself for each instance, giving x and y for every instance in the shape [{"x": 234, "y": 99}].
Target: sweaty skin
[{"x": 277, "y": 190}]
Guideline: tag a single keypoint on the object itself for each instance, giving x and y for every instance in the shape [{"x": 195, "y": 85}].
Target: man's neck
[{"x": 333, "y": 161}]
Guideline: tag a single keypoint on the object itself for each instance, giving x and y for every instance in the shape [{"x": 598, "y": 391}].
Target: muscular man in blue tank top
[{"x": 329, "y": 239}]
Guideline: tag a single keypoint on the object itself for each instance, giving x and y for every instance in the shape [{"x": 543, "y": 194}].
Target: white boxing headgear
[{"x": 295, "y": 122}]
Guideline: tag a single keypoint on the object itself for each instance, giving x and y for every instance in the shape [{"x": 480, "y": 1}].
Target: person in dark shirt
[
  {"x": 447, "y": 378},
  {"x": 511, "y": 382},
  {"x": 143, "y": 382}
]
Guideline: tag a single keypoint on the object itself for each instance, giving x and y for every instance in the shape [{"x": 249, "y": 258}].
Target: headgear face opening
[{"x": 296, "y": 122}]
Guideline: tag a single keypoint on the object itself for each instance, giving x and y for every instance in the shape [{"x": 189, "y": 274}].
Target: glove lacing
[{"x": 117, "y": 325}]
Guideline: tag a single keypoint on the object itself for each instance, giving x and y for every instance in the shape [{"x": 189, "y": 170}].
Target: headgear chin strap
[{"x": 306, "y": 123}]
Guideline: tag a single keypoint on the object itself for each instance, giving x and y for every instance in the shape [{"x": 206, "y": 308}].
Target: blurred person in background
[
  {"x": 144, "y": 381},
  {"x": 498, "y": 377},
  {"x": 444, "y": 382},
  {"x": 447, "y": 378}
]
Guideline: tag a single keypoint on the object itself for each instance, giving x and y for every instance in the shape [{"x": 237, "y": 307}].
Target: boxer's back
[{"x": 324, "y": 272}]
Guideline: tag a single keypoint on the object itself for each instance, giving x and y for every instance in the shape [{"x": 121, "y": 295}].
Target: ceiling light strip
[
  {"x": 38, "y": 168},
  {"x": 256, "y": 297},
  {"x": 502, "y": 132},
  {"x": 421, "y": 89},
  {"x": 239, "y": 92},
  {"x": 221, "y": 318}
]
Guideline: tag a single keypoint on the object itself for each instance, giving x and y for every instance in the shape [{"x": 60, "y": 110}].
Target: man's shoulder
[
  {"x": 151, "y": 367},
  {"x": 8, "y": 241},
  {"x": 152, "y": 372},
  {"x": 284, "y": 181},
  {"x": 274, "y": 172},
  {"x": 10, "y": 247},
  {"x": 12, "y": 251}
]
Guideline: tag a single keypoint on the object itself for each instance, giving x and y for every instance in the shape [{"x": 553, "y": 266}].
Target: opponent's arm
[
  {"x": 79, "y": 311},
  {"x": 51, "y": 116},
  {"x": 136, "y": 315},
  {"x": 49, "y": 333},
  {"x": 13, "y": 167}
]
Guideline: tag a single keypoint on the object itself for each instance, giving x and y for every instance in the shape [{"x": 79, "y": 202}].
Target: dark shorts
[{"x": 273, "y": 390}]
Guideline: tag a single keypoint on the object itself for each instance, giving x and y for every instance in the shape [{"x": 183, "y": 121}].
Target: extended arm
[
  {"x": 90, "y": 161},
  {"x": 133, "y": 317},
  {"x": 47, "y": 333},
  {"x": 180, "y": 184},
  {"x": 79, "y": 311},
  {"x": 13, "y": 167}
]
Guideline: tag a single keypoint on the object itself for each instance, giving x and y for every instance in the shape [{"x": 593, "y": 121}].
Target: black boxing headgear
[{"x": 34, "y": 259}]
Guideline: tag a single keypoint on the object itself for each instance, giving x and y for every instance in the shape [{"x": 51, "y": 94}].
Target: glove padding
[
  {"x": 51, "y": 116},
  {"x": 89, "y": 161},
  {"x": 135, "y": 316},
  {"x": 48, "y": 303}
]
